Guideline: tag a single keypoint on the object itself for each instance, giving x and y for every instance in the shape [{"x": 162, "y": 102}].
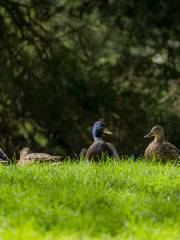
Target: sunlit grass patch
[{"x": 113, "y": 200}]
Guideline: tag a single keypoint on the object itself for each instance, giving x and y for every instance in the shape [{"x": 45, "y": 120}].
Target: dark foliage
[{"x": 65, "y": 64}]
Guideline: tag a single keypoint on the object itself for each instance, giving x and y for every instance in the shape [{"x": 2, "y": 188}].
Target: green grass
[{"x": 125, "y": 200}]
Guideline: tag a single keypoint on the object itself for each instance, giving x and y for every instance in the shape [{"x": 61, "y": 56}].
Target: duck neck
[
  {"x": 98, "y": 139},
  {"x": 159, "y": 137},
  {"x": 96, "y": 133}
]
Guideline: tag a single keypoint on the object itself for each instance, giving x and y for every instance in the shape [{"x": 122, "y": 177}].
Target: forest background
[{"x": 65, "y": 64}]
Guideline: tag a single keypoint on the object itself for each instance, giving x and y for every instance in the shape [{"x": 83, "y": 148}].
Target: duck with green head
[
  {"x": 100, "y": 146},
  {"x": 159, "y": 148}
]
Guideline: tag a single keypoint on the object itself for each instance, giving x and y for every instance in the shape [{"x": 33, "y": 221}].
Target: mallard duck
[
  {"x": 99, "y": 146},
  {"x": 159, "y": 148},
  {"x": 27, "y": 157},
  {"x": 3, "y": 157}
]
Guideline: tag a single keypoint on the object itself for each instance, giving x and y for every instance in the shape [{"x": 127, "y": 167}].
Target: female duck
[
  {"x": 27, "y": 157},
  {"x": 99, "y": 146},
  {"x": 159, "y": 148}
]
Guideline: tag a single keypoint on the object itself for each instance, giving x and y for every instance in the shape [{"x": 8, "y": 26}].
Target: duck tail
[{"x": 58, "y": 158}]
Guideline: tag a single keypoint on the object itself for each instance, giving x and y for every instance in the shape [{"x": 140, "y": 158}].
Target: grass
[{"x": 125, "y": 200}]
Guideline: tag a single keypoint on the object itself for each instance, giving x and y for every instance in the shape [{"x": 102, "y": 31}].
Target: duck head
[
  {"x": 157, "y": 132},
  {"x": 99, "y": 128},
  {"x": 24, "y": 152}
]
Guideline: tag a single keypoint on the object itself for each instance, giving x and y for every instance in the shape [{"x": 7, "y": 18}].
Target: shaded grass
[{"x": 125, "y": 200}]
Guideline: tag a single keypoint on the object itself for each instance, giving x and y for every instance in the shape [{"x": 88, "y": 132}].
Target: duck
[
  {"x": 159, "y": 149},
  {"x": 3, "y": 157},
  {"x": 28, "y": 157},
  {"x": 99, "y": 145}
]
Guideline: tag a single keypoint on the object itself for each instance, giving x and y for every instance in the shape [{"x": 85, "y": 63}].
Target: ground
[{"x": 125, "y": 200}]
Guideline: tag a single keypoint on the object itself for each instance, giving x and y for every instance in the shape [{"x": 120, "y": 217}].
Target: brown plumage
[
  {"x": 27, "y": 157},
  {"x": 159, "y": 148},
  {"x": 100, "y": 148}
]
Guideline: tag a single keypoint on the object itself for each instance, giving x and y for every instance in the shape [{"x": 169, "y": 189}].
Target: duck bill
[
  {"x": 107, "y": 131},
  {"x": 150, "y": 134}
]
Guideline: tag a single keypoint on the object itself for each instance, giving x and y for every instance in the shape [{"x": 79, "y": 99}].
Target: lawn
[{"x": 125, "y": 200}]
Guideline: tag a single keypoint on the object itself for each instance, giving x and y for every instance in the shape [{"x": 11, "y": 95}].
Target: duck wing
[
  {"x": 33, "y": 157},
  {"x": 112, "y": 147},
  {"x": 171, "y": 150}
]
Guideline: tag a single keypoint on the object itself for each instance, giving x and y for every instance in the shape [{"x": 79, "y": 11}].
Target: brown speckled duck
[
  {"x": 159, "y": 148},
  {"x": 27, "y": 157},
  {"x": 100, "y": 146}
]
